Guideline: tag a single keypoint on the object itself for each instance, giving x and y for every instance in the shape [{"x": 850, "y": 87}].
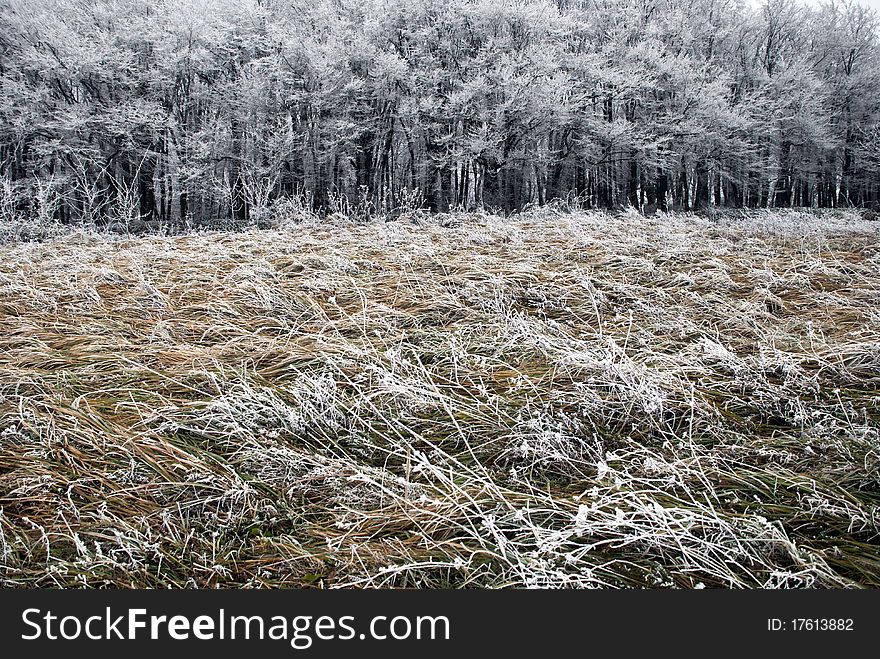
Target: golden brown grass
[{"x": 548, "y": 400}]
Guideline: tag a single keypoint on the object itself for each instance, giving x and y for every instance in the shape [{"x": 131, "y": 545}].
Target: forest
[{"x": 146, "y": 111}]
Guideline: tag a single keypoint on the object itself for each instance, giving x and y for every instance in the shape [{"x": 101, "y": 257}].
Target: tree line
[{"x": 164, "y": 111}]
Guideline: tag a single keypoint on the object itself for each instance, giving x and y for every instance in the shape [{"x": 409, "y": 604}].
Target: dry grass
[{"x": 550, "y": 400}]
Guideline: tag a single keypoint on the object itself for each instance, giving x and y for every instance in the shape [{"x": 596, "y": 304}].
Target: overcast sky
[{"x": 874, "y": 4}]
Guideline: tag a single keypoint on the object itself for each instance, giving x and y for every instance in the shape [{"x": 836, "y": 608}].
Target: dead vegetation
[{"x": 571, "y": 400}]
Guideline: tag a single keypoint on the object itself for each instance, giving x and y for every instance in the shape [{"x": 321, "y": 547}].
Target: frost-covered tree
[{"x": 134, "y": 111}]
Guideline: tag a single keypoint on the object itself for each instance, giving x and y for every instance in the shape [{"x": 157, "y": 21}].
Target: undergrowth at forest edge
[{"x": 552, "y": 400}]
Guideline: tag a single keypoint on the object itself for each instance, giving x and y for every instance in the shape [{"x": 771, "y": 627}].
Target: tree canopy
[{"x": 180, "y": 112}]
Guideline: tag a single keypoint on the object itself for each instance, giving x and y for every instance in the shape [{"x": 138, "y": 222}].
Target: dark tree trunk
[
  {"x": 701, "y": 173},
  {"x": 662, "y": 187}
]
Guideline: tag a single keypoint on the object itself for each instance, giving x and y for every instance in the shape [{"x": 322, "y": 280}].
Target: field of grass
[{"x": 550, "y": 400}]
